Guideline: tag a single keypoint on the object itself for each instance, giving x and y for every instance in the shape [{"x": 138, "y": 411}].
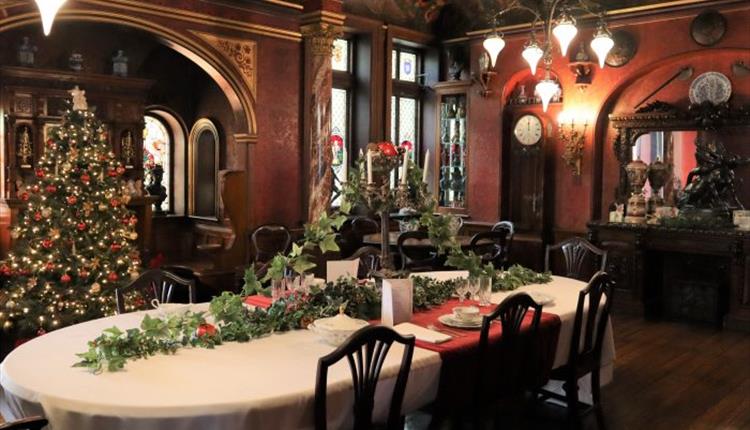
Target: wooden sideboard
[{"x": 685, "y": 274}]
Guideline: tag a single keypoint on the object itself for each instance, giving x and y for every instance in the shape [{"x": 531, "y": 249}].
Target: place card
[
  {"x": 398, "y": 296},
  {"x": 338, "y": 268}
]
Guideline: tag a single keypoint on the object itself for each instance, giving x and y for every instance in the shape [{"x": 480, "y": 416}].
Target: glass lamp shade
[
  {"x": 494, "y": 43},
  {"x": 565, "y": 31},
  {"x": 602, "y": 44},
  {"x": 547, "y": 88},
  {"x": 532, "y": 53},
  {"x": 48, "y": 9}
]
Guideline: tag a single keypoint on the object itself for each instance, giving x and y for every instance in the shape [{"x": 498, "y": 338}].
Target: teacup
[
  {"x": 466, "y": 313},
  {"x": 168, "y": 308}
]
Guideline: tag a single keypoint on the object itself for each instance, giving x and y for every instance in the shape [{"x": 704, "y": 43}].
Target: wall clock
[{"x": 528, "y": 130}]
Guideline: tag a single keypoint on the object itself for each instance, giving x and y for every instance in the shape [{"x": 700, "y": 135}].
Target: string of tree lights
[{"x": 73, "y": 243}]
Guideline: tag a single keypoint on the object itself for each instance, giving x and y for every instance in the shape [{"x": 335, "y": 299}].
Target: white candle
[
  {"x": 405, "y": 169},
  {"x": 369, "y": 167},
  {"x": 345, "y": 167},
  {"x": 426, "y": 165}
]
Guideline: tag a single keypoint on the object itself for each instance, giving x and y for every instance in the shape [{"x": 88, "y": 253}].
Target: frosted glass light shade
[
  {"x": 546, "y": 88},
  {"x": 532, "y": 53},
  {"x": 493, "y": 44},
  {"x": 565, "y": 31},
  {"x": 48, "y": 9},
  {"x": 602, "y": 44}
]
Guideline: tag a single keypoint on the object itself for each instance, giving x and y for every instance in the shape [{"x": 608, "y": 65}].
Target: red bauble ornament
[
  {"x": 51, "y": 189},
  {"x": 387, "y": 149},
  {"x": 205, "y": 330},
  {"x": 114, "y": 203},
  {"x": 4, "y": 270},
  {"x": 112, "y": 173},
  {"x": 85, "y": 178},
  {"x": 50, "y": 266},
  {"x": 39, "y": 173},
  {"x": 112, "y": 277},
  {"x": 65, "y": 278},
  {"x": 133, "y": 220},
  {"x": 50, "y": 142},
  {"x": 24, "y": 196},
  {"x": 120, "y": 170},
  {"x": 81, "y": 226},
  {"x": 72, "y": 200},
  {"x": 115, "y": 247},
  {"x": 35, "y": 188},
  {"x": 83, "y": 274},
  {"x": 46, "y": 243},
  {"x": 37, "y": 216}
]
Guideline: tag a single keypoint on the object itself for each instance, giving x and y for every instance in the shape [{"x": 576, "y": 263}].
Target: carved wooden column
[{"x": 319, "y": 30}]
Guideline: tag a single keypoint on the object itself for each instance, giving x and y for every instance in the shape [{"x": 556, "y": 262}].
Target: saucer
[{"x": 451, "y": 321}]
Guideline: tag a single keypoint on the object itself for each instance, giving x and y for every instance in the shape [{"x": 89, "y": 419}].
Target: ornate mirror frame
[{"x": 661, "y": 116}]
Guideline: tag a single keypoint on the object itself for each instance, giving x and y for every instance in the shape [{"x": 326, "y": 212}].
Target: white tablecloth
[{"x": 267, "y": 383}]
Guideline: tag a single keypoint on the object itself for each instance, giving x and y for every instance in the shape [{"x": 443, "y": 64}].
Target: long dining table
[{"x": 262, "y": 384}]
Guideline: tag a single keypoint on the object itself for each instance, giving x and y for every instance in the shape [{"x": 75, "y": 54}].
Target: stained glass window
[
  {"x": 339, "y": 135},
  {"x": 157, "y": 151},
  {"x": 404, "y": 121},
  {"x": 340, "y": 58},
  {"x": 408, "y": 67}
]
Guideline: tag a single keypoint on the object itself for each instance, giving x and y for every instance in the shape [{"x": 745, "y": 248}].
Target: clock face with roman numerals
[{"x": 528, "y": 130}]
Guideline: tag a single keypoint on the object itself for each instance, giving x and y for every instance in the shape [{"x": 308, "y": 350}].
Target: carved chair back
[
  {"x": 517, "y": 349},
  {"x": 159, "y": 283},
  {"x": 590, "y": 324},
  {"x": 353, "y": 231},
  {"x": 417, "y": 254},
  {"x": 577, "y": 253},
  {"x": 268, "y": 240},
  {"x": 31, "y": 423},
  {"x": 369, "y": 261},
  {"x": 492, "y": 246},
  {"x": 365, "y": 351}
]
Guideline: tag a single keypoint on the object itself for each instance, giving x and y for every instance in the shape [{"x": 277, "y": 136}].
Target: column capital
[{"x": 321, "y": 36}]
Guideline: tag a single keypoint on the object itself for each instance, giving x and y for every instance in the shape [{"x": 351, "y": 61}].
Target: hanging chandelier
[
  {"x": 48, "y": 9},
  {"x": 556, "y": 18}
]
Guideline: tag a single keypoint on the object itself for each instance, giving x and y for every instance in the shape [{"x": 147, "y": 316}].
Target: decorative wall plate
[
  {"x": 623, "y": 51},
  {"x": 711, "y": 87},
  {"x": 708, "y": 28}
]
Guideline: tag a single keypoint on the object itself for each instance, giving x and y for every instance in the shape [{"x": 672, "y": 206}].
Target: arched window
[
  {"x": 157, "y": 150},
  {"x": 204, "y": 169}
]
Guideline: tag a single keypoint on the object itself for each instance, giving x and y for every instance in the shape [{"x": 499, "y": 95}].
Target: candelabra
[{"x": 372, "y": 189}]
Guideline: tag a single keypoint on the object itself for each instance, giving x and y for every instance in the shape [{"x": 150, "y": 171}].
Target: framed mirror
[{"x": 203, "y": 161}]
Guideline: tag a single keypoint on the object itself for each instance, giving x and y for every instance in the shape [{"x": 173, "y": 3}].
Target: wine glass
[
  {"x": 473, "y": 288},
  {"x": 461, "y": 289}
]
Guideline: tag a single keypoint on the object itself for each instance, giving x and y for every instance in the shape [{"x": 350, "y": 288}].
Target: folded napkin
[
  {"x": 421, "y": 333},
  {"x": 259, "y": 301}
]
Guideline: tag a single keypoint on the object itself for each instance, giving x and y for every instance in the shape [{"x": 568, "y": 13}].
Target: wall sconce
[
  {"x": 485, "y": 75},
  {"x": 573, "y": 137}
]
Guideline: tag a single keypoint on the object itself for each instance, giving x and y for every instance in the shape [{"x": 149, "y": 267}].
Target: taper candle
[
  {"x": 369, "y": 167},
  {"x": 426, "y": 165},
  {"x": 405, "y": 169}
]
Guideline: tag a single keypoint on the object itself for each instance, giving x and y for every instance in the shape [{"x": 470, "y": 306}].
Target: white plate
[
  {"x": 712, "y": 87},
  {"x": 543, "y": 299},
  {"x": 451, "y": 321}
]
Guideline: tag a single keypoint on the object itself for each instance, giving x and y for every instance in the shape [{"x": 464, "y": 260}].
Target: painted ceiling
[{"x": 449, "y": 18}]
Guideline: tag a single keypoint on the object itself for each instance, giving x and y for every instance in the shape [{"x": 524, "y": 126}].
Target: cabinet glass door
[{"x": 452, "y": 182}]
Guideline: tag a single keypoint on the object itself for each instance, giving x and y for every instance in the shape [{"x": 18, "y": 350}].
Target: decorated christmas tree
[{"x": 73, "y": 243}]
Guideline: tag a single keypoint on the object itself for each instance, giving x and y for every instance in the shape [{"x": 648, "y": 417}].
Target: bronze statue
[{"x": 711, "y": 184}]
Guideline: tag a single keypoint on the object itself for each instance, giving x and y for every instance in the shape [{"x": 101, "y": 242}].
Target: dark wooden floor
[{"x": 670, "y": 376}]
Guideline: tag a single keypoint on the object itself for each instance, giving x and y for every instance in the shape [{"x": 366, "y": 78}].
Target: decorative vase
[
  {"x": 658, "y": 174},
  {"x": 637, "y": 172}
]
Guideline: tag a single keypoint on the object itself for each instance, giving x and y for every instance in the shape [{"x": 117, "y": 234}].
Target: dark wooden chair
[
  {"x": 31, "y": 423},
  {"x": 588, "y": 332},
  {"x": 507, "y": 372},
  {"x": 369, "y": 261},
  {"x": 419, "y": 257},
  {"x": 492, "y": 246},
  {"x": 577, "y": 253},
  {"x": 269, "y": 240},
  {"x": 365, "y": 351},
  {"x": 352, "y": 234},
  {"x": 511, "y": 229},
  {"x": 160, "y": 283}
]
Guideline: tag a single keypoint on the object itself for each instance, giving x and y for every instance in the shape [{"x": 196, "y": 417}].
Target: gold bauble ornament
[
  {"x": 95, "y": 288},
  {"x": 7, "y": 325},
  {"x": 47, "y": 212},
  {"x": 133, "y": 236},
  {"x": 102, "y": 207},
  {"x": 10, "y": 304},
  {"x": 15, "y": 234}
]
